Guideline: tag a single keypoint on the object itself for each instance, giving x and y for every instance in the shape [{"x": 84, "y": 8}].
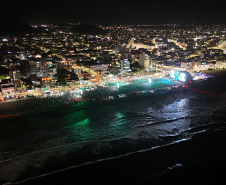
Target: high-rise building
[
  {"x": 52, "y": 68},
  {"x": 15, "y": 77},
  {"x": 142, "y": 59},
  {"x": 125, "y": 65},
  {"x": 39, "y": 68},
  {"x": 130, "y": 57}
]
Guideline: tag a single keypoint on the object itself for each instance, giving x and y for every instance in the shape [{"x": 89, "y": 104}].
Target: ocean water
[{"x": 42, "y": 144}]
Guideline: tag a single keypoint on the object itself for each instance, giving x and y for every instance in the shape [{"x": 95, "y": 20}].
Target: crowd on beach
[{"x": 100, "y": 95}]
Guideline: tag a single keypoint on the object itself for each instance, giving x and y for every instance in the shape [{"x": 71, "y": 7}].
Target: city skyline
[{"x": 102, "y": 12}]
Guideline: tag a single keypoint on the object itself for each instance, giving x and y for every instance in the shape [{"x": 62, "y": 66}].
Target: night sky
[{"x": 115, "y": 12}]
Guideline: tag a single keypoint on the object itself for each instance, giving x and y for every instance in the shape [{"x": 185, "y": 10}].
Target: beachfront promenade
[{"x": 107, "y": 81}]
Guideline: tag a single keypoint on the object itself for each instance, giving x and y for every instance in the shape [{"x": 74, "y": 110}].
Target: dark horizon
[{"x": 102, "y": 12}]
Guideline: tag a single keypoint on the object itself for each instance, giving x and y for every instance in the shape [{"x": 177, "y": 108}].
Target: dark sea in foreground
[{"x": 174, "y": 139}]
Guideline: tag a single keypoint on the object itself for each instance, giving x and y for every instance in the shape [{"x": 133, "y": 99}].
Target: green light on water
[
  {"x": 120, "y": 115},
  {"x": 81, "y": 131},
  {"x": 119, "y": 123},
  {"x": 83, "y": 122}
]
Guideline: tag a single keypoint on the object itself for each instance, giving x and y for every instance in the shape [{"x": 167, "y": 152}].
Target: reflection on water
[
  {"x": 81, "y": 131},
  {"x": 118, "y": 120},
  {"x": 177, "y": 109}
]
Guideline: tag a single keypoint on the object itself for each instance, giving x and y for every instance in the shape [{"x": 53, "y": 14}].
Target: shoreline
[
  {"x": 218, "y": 72},
  {"x": 172, "y": 164},
  {"x": 14, "y": 110},
  {"x": 160, "y": 93}
]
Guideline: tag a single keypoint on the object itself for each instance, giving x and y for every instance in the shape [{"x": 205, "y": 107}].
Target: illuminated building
[
  {"x": 7, "y": 88},
  {"x": 130, "y": 57},
  {"x": 66, "y": 64},
  {"x": 52, "y": 68},
  {"x": 100, "y": 67},
  {"x": 183, "y": 76},
  {"x": 186, "y": 64},
  {"x": 45, "y": 81},
  {"x": 125, "y": 65},
  {"x": 39, "y": 68},
  {"x": 15, "y": 77},
  {"x": 144, "y": 60}
]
